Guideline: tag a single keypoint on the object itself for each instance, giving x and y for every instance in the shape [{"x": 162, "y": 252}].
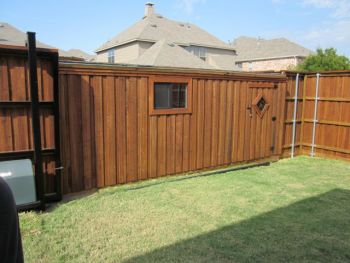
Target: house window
[
  {"x": 239, "y": 65},
  {"x": 200, "y": 52},
  {"x": 111, "y": 55},
  {"x": 250, "y": 66},
  {"x": 170, "y": 95}
]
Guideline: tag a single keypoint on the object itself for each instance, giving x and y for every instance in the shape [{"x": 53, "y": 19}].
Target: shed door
[{"x": 261, "y": 111}]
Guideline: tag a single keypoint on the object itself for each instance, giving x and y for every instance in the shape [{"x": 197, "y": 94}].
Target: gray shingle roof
[
  {"x": 77, "y": 53},
  {"x": 156, "y": 27},
  {"x": 9, "y": 35},
  {"x": 249, "y": 49},
  {"x": 165, "y": 54}
]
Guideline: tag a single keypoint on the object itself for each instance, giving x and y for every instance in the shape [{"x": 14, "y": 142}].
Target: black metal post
[
  {"x": 59, "y": 167},
  {"x": 39, "y": 180}
]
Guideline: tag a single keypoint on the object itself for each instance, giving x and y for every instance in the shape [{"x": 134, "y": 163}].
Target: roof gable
[
  {"x": 249, "y": 48},
  {"x": 156, "y": 27},
  {"x": 165, "y": 54},
  {"x": 9, "y": 35}
]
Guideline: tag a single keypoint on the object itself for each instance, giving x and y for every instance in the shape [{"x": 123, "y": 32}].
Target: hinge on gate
[
  {"x": 274, "y": 118},
  {"x": 272, "y": 148}
]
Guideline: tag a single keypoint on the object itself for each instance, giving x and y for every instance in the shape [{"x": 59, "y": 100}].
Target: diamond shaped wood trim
[{"x": 260, "y": 105}]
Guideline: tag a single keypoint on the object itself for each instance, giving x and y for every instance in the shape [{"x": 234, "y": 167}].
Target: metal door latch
[{"x": 250, "y": 110}]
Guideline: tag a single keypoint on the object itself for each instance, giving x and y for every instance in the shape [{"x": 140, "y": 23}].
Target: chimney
[{"x": 149, "y": 9}]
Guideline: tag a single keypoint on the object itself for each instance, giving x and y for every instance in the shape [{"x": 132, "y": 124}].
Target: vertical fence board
[
  {"x": 222, "y": 122},
  {"x": 75, "y": 129},
  {"x": 215, "y": 124},
  {"x": 109, "y": 130},
  {"x": 142, "y": 96},
  {"x": 162, "y": 145},
  {"x": 120, "y": 93},
  {"x": 98, "y": 134},
  {"x": 179, "y": 124},
  {"x": 131, "y": 127},
  {"x": 208, "y": 98}
]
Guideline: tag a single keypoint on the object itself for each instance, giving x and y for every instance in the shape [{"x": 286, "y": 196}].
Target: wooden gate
[{"x": 261, "y": 110}]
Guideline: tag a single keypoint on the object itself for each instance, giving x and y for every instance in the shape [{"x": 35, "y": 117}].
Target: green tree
[{"x": 325, "y": 60}]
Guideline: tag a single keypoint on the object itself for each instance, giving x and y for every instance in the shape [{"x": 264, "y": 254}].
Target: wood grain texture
[{"x": 109, "y": 137}]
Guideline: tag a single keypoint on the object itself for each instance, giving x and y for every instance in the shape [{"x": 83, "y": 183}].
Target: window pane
[
  {"x": 162, "y": 95},
  {"x": 170, "y": 95},
  {"x": 179, "y": 95}
]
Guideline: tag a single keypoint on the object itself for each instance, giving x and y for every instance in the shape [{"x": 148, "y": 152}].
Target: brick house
[{"x": 256, "y": 54}]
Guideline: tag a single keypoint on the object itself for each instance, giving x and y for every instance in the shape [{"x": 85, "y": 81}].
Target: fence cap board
[
  {"x": 308, "y": 73},
  {"x": 104, "y": 68},
  {"x": 21, "y": 48}
]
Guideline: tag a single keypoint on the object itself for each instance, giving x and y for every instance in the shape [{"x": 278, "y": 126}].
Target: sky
[{"x": 87, "y": 24}]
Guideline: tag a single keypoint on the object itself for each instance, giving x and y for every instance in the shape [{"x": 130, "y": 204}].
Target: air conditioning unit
[{"x": 19, "y": 176}]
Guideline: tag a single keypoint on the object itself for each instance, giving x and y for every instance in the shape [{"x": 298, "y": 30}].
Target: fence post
[
  {"x": 312, "y": 154},
  {"x": 295, "y": 113},
  {"x": 33, "y": 77}
]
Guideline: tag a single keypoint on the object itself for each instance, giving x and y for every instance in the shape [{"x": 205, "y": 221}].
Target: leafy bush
[{"x": 324, "y": 60}]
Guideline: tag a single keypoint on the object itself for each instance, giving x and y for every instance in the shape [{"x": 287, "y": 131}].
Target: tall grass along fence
[{"x": 318, "y": 114}]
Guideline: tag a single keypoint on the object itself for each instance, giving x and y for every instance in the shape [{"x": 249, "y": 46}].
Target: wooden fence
[
  {"x": 109, "y": 137},
  {"x": 109, "y": 134},
  {"x": 16, "y": 136},
  {"x": 326, "y": 133}
]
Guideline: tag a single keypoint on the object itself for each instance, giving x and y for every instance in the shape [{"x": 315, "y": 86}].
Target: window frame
[
  {"x": 109, "y": 52},
  {"x": 170, "y": 79},
  {"x": 202, "y": 52}
]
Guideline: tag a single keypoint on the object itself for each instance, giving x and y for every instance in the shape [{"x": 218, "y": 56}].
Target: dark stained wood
[
  {"x": 215, "y": 123},
  {"x": 208, "y": 98},
  {"x": 98, "y": 134},
  {"x": 120, "y": 96},
  {"x": 162, "y": 145},
  {"x": 179, "y": 126},
  {"x": 87, "y": 130},
  {"x": 152, "y": 161},
  {"x": 109, "y": 131},
  {"x": 142, "y": 92},
  {"x": 222, "y": 122},
  {"x": 200, "y": 124},
  {"x": 131, "y": 129},
  {"x": 171, "y": 141},
  {"x": 193, "y": 127},
  {"x": 109, "y": 137},
  {"x": 75, "y": 132}
]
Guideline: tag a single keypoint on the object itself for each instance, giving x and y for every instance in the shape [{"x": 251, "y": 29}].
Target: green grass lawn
[{"x": 296, "y": 210}]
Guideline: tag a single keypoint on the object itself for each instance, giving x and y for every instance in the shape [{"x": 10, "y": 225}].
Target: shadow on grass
[{"x": 316, "y": 229}]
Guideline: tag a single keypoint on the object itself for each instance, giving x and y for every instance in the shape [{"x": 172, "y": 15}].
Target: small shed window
[
  {"x": 170, "y": 95},
  {"x": 111, "y": 53}
]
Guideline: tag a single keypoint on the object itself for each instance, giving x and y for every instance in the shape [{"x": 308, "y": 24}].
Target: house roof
[
  {"x": 9, "y": 35},
  {"x": 165, "y": 54},
  {"x": 155, "y": 27},
  {"x": 76, "y": 53},
  {"x": 249, "y": 49}
]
